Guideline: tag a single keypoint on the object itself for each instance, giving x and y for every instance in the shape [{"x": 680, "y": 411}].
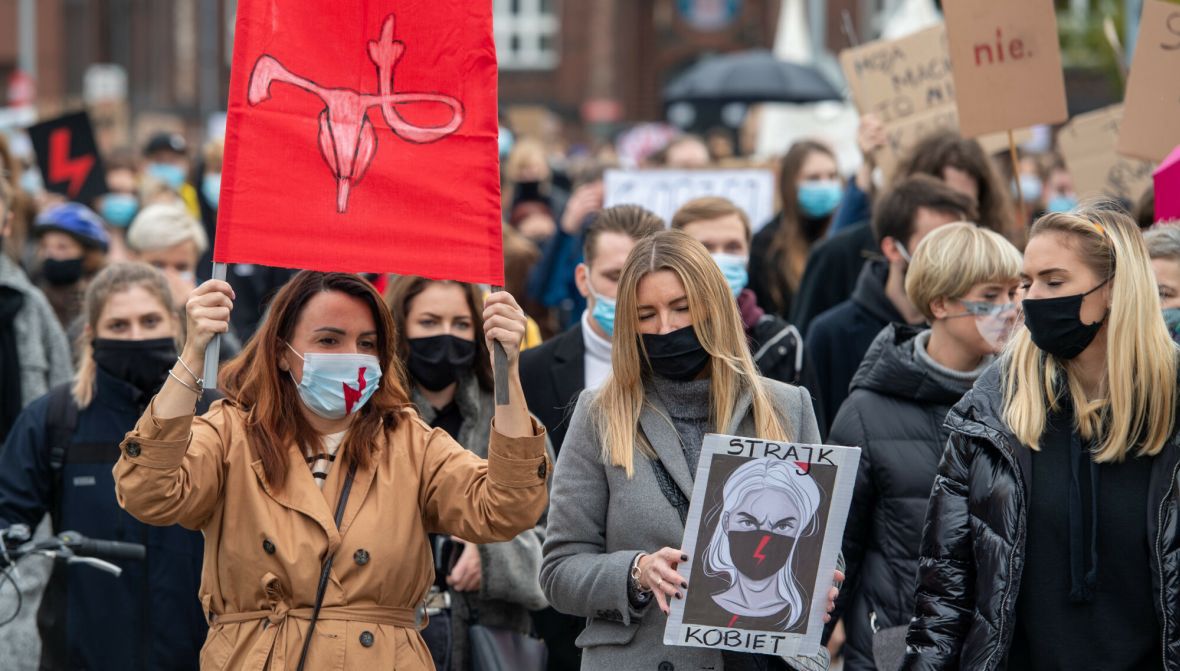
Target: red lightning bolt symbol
[
  {"x": 351, "y": 396},
  {"x": 758, "y": 552},
  {"x": 64, "y": 168}
]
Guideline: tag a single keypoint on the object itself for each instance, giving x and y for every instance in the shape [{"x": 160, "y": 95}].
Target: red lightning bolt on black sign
[{"x": 63, "y": 167}]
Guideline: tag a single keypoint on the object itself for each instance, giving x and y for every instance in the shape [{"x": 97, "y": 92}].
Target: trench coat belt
[
  {"x": 394, "y": 616},
  {"x": 276, "y": 637}
]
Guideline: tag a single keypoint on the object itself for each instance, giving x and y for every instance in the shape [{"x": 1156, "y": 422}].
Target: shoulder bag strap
[{"x": 327, "y": 569}]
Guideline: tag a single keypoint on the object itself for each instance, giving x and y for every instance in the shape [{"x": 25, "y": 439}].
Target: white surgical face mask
[{"x": 337, "y": 385}]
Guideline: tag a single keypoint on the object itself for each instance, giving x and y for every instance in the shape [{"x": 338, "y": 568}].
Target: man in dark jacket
[
  {"x": 833, "y": 268},
  {"x": 150, "y": 616},
  {"x": 838, "y": 339},
  {"x": 555, "y": 373}
]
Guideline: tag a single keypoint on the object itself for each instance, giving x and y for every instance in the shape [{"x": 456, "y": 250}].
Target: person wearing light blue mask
[
  {"x": 1163, "y": 246},
  {"x": 810, "y": 189},
  {"x": 211, "y": 188},
  {"x": 118, "y": 209},
  {"x": 724, "y": 230},
  {"x": 1060, "y": 195},
  {"x": 320, "y": 460}
]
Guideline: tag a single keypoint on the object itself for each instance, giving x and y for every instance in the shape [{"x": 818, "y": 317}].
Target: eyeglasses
[{"x": 986, "y": 309}]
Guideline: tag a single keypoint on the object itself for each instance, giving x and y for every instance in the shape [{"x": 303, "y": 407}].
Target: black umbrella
[{"x": 750, "y": 77}]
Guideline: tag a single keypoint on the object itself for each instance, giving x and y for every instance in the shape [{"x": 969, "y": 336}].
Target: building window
[{"x": 526, "y": 34}]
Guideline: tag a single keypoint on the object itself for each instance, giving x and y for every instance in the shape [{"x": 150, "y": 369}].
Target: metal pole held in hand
[{"x": 213, "y": 351}]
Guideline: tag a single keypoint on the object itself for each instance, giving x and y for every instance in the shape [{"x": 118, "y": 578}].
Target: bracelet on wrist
[
  {"x": 196, "y": 390},
  {"x": 197, "y": 380},
  {"x": 635, "y": 573}
]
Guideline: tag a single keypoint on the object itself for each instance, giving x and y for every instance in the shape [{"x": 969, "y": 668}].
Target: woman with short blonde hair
[
  {"x": 1051, "y": 532},
  {"x": 964, "y": 280},
  {"x": 681, "y": 368}
]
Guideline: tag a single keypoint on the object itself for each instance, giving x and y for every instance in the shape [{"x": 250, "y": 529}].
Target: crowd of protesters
[{"x": 1007, "y": 369}]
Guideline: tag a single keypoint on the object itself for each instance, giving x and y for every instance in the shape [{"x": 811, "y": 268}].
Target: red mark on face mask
[
  {"x": 732, "y": 621},
  {"x": 758, "y": 552},
  {"x": 351, "y": 396}
]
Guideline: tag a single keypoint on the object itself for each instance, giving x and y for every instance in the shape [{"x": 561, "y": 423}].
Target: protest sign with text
[
  {"x": 664, "y": 191},
  {"x": 1088, "y": 145},
  {"x": 361, "y": 137},
  {"x": 1007, "y": 64},
  {"x": 908, "y": 84},
  {"x": 762, "y": 536},
  {"x": 1152, "y": 120}
]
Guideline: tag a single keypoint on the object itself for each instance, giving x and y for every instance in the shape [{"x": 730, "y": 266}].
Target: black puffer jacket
[
  {"x": 972, "y": 553},
  {"x": 895, "y": 414}
]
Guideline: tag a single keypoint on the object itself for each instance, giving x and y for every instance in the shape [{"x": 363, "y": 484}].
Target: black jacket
[
  {"x": 777, "y": 350},
  {"x": 150, "y": 616},
  {"x": 764, "y": 274},
  {"x": 895, "y": 414},
  {"x": 972, "y": 554},
  {"x": 837, "y": 341},
  {"x": 553, "y": 374},
  {"x": 832, "y": 269}
]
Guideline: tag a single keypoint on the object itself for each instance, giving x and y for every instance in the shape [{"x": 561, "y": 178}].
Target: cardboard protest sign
[
  {"x": 1152, "y": 118},
  {"x": 1167, "y": 188},
  {"x": 1007, "y": 64},
  {"x": 361, "y": 137},
  {"x": 1088, "y": 145},
  {"x": 909, "y": 85},
  {"x": 762, "y": 535},
  {"x": 664, "y": 191},
  {"x": 68, "y": 157}
]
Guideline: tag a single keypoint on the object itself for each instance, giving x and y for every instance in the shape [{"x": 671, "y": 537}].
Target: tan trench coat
[{"x": 264, "y": 548}]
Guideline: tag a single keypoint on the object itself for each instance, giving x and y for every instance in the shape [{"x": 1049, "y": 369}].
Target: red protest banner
[{"x": 362, "y": 138}]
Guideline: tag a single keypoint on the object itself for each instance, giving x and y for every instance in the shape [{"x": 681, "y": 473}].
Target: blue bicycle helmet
[{"x": 75, "y": 220}]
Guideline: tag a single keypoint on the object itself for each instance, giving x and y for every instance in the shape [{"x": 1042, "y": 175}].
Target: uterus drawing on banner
[{"x": 347, "y": 139}]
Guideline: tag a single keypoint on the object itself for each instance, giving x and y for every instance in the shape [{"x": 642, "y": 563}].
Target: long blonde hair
[
  {"x": 719, "y": 328},
  {"x": 1140, "y": 380}
]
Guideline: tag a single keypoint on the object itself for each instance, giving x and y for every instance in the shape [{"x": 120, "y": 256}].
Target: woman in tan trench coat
[{"x": 314, "y": 395}]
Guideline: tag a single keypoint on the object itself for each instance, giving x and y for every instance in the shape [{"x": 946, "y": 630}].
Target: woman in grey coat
[
  {"x": 681, "y": 368},
  {"x": 448, "y": 373}
]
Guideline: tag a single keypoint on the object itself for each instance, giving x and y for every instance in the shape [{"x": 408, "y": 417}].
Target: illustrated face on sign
[
  {"x": 767, "y": 506},
  {"x": 762, "y": 529}
]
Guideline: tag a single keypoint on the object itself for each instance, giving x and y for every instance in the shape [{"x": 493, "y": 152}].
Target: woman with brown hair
[
  {"x": 810, "y": 189},
  {"x": 315, "y": 483},
  {"x": 448, "y": 373}
]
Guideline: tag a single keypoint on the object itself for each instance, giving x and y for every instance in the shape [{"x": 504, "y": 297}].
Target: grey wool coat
[
  {"x": 599, "y": 520},
  {"x": 509, "y": 588}
]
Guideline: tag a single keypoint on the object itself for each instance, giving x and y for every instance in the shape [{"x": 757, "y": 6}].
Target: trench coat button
[
  {"x": 133, "y": 449},
  {"x": 268, "y": 547},
  {"x": 361, "y": 557},
  {"x": 666, "y": 666},
  {"x": 541, "y": 470},
  {"x": 367, "y": 639}
]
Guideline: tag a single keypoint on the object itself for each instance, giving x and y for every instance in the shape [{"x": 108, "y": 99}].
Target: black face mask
[
  {"x": 144, "y": 364},
  {"x": 61, "y": 272},
  {"x": 1055, "y": 324},
  {"x": 759, "y": 554},
  {"x": 678, "y": 355},
  {"x": 438, "y": 361}
]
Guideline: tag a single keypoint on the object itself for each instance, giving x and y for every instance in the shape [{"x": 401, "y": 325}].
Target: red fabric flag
[{"x": 362, "y": 138}]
